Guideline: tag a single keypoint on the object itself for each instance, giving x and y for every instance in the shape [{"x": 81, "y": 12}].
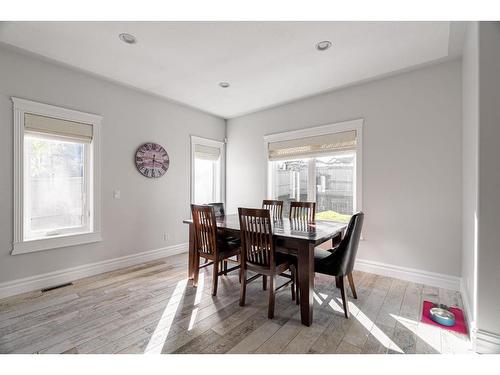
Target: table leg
[
  {"x": 191, "y": 252},
  {"x": 306, "y": 281}
]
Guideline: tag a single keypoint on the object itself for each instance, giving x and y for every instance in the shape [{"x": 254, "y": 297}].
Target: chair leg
[
  {"x": 196, "y": 269},
  {"x": 344, "y": 296},
  {"x": 243, "y": 286},
  {"x": 240, "y": 262},
  {"x": 264, "y": 282},
  {"x": 292, "y": 270},
  {"x": 215, "y": 278},
  {"x": 337, "y": 282},
  {"x": 297, "y": 292},
  {"x": 270, "y": 311},
  {"x": 225, "y": 267},
  {"x": 351, "y": 284}
]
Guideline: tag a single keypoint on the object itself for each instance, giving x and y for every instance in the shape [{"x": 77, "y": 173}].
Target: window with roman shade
[
  {"x": 321, "y": 164},
  {"x": 205, "y": 152},
  {"x": 314, "y": 146},
  {"x": 207, "y": 170},
  {"x": 57, "y": 128},
  {"x": 56, "y": 177}
]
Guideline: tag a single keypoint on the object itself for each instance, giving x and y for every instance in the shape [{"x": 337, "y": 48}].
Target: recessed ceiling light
[
  {"x": 323, "y": 45},
  {"x": 224, "y": 85},
  {"x": 127, "y": 38}
]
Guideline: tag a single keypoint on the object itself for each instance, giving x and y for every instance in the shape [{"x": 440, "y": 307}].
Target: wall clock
[{"x": 152, "y": 160}]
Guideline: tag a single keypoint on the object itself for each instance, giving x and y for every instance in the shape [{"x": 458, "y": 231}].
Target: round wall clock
[{"x": 152, "y": 160}]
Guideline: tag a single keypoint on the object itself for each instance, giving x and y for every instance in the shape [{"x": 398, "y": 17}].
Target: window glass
[
  {"x": 55, "y": 186},
  {"x": 207, "y": 180},
  {"x": 327, "y": 180},
  {"x": 290, "y": 182},
  {"x": 335, "y": 187}
]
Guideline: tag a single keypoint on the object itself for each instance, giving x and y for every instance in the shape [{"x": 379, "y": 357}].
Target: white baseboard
[
  {"x": 487, "y": 342},
  {"x": 46, "y": 280},
  {"x": 467, "y": 309},
  {"x": 410, "y": 274}
]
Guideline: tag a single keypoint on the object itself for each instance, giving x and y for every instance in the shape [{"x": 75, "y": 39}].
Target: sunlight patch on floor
[
  {"x": 373, "y": 329},
  {"x": 361, "y": 317},
  {"x": 429, "y": 334},
  {"x": 197, "y": 300},
  {"x": 162, "y": 330},
  {"x": 317, "y": 299},
  {"x": 440, "y": 339}
]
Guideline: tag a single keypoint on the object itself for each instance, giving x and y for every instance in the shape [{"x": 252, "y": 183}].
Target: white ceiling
[{"x": 266, "y": 63}]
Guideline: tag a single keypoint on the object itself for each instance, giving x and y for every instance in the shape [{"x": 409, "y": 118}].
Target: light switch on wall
[{"x": 116, "y": 194}]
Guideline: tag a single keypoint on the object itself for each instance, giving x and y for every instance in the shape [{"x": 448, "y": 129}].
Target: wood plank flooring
[{"x": 153, "y": 308}]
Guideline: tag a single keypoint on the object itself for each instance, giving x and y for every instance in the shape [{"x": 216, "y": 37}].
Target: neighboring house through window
[{"x": 321, "y": 164}]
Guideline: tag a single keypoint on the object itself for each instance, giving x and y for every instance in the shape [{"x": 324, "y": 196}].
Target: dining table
[{"x": 296, "y": 237}]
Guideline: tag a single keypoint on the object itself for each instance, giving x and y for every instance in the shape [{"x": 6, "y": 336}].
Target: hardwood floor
[{"x": 153, "y": 308}]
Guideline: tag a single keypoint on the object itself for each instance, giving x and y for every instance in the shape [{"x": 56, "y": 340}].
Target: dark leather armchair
[{"x": 339, "y": 261}]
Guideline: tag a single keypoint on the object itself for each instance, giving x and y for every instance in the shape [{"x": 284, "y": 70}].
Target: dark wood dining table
[{"x": 297, "y": 237}]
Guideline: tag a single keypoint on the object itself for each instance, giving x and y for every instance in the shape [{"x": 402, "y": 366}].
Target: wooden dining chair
[
  {"x": 219, "y": 212},
  {"x": 210, "y": 245},
  {"x": 339, "y": 261},
  {"x": 275, "y": 208},
  {"x": 303, "y": 211},
  {"x": 259, "y": 254}
]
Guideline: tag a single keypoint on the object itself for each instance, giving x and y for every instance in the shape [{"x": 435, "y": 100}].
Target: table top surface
[{"x": 317, "y": 232}]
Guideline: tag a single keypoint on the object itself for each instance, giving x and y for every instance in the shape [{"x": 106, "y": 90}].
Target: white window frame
[
  {"x": 195, "y": 140},
  {"x": 356, "y": 124},
  {"x": 21, "y": 246}
]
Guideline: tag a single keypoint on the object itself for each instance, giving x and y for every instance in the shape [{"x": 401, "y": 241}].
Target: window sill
[{"x": 55, "y": 242}]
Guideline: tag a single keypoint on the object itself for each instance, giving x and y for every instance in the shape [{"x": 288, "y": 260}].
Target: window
[
  {"x": 207, "y": 170},
  {"x": 57, "y": 180},
  {"x": 55, "y": 186},
  {"x": 321, "y": 164}
]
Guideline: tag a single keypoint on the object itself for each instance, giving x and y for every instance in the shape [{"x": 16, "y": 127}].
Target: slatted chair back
[
  {"x": 275, "y": 208},
  {"x": 205, "y": 228},
  {"x": 303, "y": 211},
  {"x": 219, "y": 209},
  {"x": 257, "y": 237}
]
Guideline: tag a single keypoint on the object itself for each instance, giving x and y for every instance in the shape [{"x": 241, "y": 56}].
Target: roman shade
[
  {"x": 206, "y": 152},
  {"x": 63, "y": 129},
  {"x": 315, "y": 146}
]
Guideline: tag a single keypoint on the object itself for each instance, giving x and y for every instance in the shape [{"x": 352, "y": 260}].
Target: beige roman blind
[
  {"x": 319, "y": 145},
  {"x": 206, "y": 152},
  {"x": 57, "y": 127}
]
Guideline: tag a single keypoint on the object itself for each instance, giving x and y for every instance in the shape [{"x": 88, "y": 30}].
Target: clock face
[{"x": 152, "y": 160}]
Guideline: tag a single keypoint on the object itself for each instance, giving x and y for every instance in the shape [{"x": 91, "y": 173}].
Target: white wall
[
  {"x": 147, "y": 207},
  {"x": 412, "y": 165},
  {"x": 488, "y": 276},
  {"x": 470, "y": 118}
]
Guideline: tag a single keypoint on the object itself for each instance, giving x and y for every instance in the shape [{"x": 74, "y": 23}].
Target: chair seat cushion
[
  {"x": 228, "y": 247},
  {"x": 327, "y": 261},
  {"x": 231, "y": 239}
]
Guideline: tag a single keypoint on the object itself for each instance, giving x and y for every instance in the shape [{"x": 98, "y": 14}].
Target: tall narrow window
[
  {"x": 207, "y": 170},
  {"x": 55, "y": 186},
  {"x": 57, "y": 177},
  {"x": 320, "y": 165}
]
